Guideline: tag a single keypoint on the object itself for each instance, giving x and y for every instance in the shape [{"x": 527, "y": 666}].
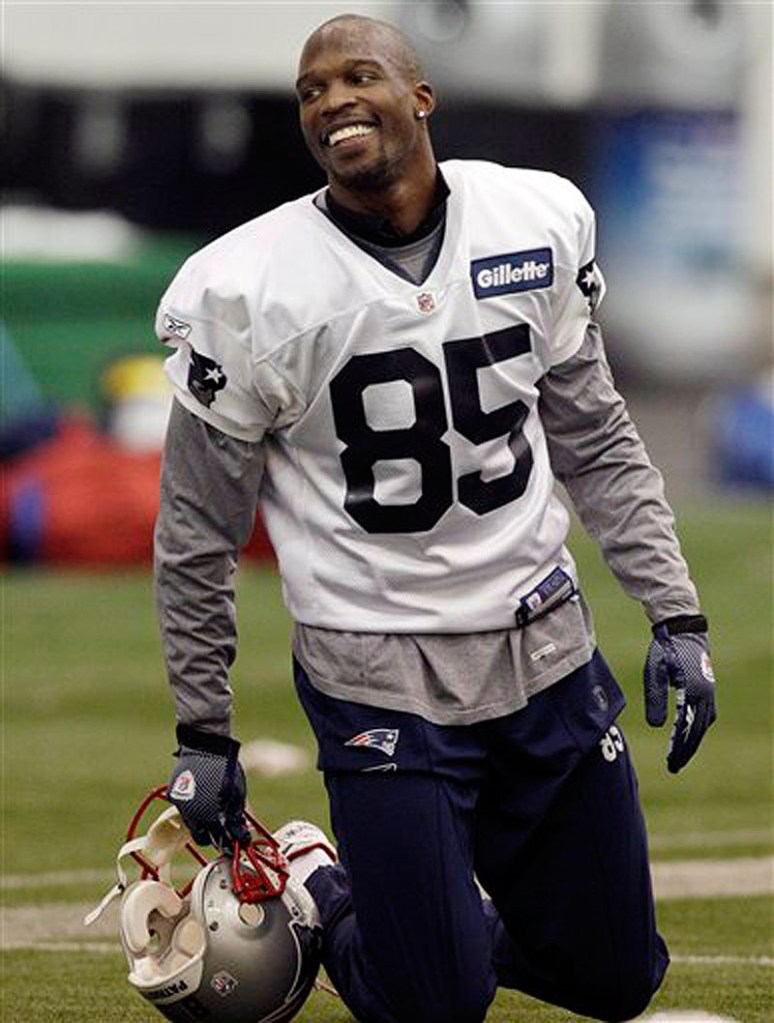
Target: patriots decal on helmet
[
  {"x": 383, "y": 739},
  {"x": 205, "y": 378},
  {"x": 591, "y": 284},
  {"x": 223, "y": 983}
]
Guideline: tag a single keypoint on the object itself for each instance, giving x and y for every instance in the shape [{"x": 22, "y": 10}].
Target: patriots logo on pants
[
  {"x": 383, "y": 739},
  {"x": 205, "y": 378}
]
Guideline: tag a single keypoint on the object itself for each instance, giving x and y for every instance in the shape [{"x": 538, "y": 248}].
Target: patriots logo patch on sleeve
[
  {"x": 591, "y": 284},
  {"x": 205, "y": 378}
]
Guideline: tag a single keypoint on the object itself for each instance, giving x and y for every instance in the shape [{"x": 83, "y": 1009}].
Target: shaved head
[
  {"x": 363, "y": 107},
  {"x": 392, "y": 44}
]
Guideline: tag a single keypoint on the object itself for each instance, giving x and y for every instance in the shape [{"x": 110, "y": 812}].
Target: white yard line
[
  {"x": 55, "y": 879},
  {"x": 90, "y": 947},
  {"x": 701, "y": 879},
  {"x": 60, "y": 925},
  {"x": 723, "y": 960},
  {"x": 684, "y": 1016},
  {"x": 61, "y": 922},
  {"x": 707, "y": 872}
]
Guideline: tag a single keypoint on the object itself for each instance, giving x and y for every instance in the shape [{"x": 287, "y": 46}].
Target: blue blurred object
[
  {"x": 26, "y": 524},
  {"x": 744, "y": 436},
  {"x": 668, "y": 189},
  {"x": 27, "y": 418}
]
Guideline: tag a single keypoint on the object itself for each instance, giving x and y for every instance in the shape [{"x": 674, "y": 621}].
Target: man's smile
[{"x": 333, "y": 137}]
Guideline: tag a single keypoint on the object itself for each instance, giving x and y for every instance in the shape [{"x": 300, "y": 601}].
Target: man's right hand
[{"x": 207, "y": 785}]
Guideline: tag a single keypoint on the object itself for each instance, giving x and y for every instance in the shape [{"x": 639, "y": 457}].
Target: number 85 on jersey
[{"x": 422, "y": 442}]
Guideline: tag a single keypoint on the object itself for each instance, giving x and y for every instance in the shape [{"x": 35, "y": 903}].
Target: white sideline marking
[
  {"x": 96, "y": 947},
  {"x": 684, "y": 1016},
  {"x": 700, "y": 879},
  {"x": 723, "y": 960},
  {"x": 56, "y": 879},
  {"x": 70, "y": 878},
  {"x": 60, "y": 922}
]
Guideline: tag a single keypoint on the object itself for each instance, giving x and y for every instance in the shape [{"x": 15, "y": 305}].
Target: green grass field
[{"x": 88, "y": 728}]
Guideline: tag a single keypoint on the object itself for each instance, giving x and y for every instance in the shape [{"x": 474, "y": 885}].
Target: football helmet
[{"x": 238, "y": 943}]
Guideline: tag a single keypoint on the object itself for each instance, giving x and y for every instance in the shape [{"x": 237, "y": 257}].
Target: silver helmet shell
[{"x": 213, "y": 958}]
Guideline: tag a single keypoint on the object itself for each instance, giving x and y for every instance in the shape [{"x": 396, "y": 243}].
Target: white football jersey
[{"x": 407, "y": 486}]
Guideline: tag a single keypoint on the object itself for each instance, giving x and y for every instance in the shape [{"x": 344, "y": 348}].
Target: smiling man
[
  {"x": 398, "y": 368},
  {"x": 363, "y": 103}
]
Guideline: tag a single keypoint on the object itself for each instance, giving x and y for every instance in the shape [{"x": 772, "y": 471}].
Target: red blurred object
[{"x": 82, "y": 500}]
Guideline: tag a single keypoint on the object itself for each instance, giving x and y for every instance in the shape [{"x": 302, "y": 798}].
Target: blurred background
[{"x": 134, "y": 132}]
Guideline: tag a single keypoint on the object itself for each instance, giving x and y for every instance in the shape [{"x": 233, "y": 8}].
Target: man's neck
[
  {"x": 405, "y": 204},
  {"x": 379, "y": 230}
]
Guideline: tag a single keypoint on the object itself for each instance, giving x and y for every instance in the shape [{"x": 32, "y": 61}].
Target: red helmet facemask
[{"x": 259, "y": 871}]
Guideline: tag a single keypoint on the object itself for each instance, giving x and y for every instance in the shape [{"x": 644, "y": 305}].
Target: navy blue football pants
[{"x": 541, "y": 805}]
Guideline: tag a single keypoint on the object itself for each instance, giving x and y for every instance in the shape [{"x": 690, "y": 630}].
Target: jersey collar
[{"x": 379, "y": 230}]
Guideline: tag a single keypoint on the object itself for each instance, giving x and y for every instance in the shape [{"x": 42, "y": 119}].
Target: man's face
[{"x": 358, "y": 105}]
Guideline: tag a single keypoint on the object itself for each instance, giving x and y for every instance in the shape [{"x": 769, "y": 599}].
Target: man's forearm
[
  {"x": 618, "y": 494},
  {"x": 209, "y": 487}
]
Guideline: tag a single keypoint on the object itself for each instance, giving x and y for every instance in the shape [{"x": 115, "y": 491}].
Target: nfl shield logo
[{"x": 425, "y": 302}]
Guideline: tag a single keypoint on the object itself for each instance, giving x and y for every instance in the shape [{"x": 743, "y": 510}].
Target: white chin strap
[{"x": 166, "y": 837}]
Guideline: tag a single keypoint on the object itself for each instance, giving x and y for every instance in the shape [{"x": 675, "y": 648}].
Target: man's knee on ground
[
  {"x": 625, "y": 1008},
  {"x": 620, "y": 1000},
  {"x": 453, "y": 1002}
]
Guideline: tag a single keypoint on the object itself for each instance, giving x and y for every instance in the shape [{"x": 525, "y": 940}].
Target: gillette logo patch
[{"x": 513, "y": 271}]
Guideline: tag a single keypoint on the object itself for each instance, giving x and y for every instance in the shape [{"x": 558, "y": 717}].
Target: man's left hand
[{"x": 679, "y": 657}]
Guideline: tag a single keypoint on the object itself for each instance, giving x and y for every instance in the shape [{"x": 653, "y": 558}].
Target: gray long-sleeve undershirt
[
  {"x": 209, "y": 493},
  {"x": 599, "y": 457}
]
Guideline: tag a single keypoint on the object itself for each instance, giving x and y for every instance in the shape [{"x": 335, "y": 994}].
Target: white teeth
[{"x": 349, "y": 132}]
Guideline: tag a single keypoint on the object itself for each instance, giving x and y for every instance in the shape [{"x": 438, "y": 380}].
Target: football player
[{"x": 398, "y": 368}]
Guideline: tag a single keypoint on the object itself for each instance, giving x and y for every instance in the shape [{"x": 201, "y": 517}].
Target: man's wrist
[
  {"x": 678, "y": 624},
  {"x": 206, "y": 742}
]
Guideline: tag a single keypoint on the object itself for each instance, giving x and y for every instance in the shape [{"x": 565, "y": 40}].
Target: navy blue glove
[
  {"x": 208, "y": 787},
  {"x": 679, "y": 657}
]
